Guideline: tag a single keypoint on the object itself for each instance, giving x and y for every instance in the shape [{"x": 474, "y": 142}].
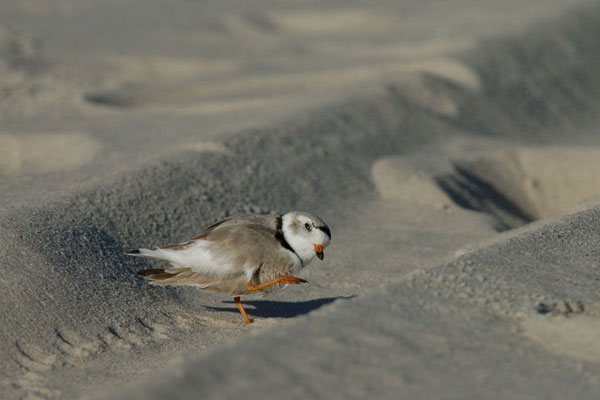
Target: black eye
[{"x": 308, "y": 227}]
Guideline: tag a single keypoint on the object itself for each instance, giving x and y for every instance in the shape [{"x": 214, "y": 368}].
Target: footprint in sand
[
  {"x": 157, "y": 331},
  {"x": 567, "y": 328},
  {"x": 33, "y": 358},
  {"x": 74, "y": 348}
]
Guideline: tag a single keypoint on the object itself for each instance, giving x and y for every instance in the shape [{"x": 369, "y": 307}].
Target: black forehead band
[{"x": 326, "y": 230}]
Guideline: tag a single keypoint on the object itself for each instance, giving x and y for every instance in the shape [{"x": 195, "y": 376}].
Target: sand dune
[
  {"x": 33, "y": 154},
  {"x": 452, "y": 148}
]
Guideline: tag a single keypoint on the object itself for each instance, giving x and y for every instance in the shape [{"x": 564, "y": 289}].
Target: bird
[{"x": 240, "y": 255}]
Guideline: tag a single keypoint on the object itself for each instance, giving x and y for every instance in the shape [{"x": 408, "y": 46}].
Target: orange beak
[{"x": 319, "y": 251}]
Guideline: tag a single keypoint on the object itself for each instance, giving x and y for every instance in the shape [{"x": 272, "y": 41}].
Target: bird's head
[{"x": 307, "y": 234}]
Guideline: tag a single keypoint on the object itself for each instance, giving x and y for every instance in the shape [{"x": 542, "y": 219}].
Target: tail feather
[
  {"x": 153, "y": 271},
  {"x": 156, "y": 253},
  {"x": 179, "y": 277},
  {"x": 156, "y": 274},
  {"x": 160, "y": 275}
]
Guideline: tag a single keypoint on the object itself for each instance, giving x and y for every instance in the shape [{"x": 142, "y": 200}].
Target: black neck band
[{"x": 281, "y": 238}]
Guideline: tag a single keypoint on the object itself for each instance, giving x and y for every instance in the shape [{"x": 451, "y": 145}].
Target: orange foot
[
  {"x": 292, "y": 280},
  {"x": 286, "y": 279},
  {"x": 282, "y": 279}
]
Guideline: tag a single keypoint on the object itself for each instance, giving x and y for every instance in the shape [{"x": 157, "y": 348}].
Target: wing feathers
[
  {"x": 187, "y": 277},
  {"x": 156, "y": 274}
]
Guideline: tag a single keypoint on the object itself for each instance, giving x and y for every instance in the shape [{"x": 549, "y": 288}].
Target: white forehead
[{"x": 305, "y": 217}]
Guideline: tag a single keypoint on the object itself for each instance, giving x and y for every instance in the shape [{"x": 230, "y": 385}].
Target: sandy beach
[{"x": 452, "y": 147}]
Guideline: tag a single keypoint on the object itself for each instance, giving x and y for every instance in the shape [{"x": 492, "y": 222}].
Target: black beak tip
[{"x": 320, "y": 255}]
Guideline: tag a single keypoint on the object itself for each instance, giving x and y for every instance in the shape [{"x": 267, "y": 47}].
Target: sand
[{"x": 452, "y": 147}]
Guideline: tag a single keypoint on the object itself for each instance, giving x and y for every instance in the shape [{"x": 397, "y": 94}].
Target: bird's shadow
[{"x": 279, "y": 309}]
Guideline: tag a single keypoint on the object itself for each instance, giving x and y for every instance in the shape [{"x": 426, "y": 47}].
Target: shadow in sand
[{"x": 279, "y": 309}]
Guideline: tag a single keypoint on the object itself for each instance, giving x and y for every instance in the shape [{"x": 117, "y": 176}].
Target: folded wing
[{"x": 222, "y": 258}]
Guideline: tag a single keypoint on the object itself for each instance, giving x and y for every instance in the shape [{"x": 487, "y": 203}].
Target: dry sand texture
[{"x": 452, "y": 147}]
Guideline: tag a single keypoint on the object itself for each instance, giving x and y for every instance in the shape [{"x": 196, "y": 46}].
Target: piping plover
[{"x": 242, "y": 255}]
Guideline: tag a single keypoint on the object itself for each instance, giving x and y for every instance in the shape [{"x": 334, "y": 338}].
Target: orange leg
[
  {"x": 282, "y": 279},
  {"x": 238, "y": 303}
]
